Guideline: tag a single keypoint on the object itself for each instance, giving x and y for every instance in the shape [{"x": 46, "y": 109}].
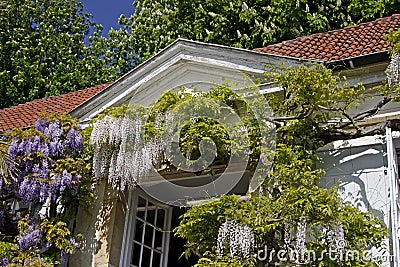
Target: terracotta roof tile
[
  {"x": 352, "y": 41},
  {"x": 26, "y": 114}
]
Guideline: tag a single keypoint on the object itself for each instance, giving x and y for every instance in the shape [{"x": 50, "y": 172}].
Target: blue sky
[{"x": 107, "y": 12}]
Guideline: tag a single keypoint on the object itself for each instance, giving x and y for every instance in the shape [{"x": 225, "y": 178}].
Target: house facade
[{"x": 133, "y": 227}]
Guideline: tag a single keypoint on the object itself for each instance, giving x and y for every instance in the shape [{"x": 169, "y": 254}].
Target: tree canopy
[
  {"x": 246, "y": 24},
  {"x": 43, "y": 50}
]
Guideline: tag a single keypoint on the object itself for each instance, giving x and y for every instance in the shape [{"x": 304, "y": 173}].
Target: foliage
[
  {"x": 155, "y": 127},
  {"x": 43, "y": 51},
  {"x": 312, "y": 109},
  {"x": 247, "y": 24},
  {"x": 394, "y": 39},
  {"x": 393, "y": 70},
  {"x": 311, "y": 97},
  {"x": 291, "y": 194},
  {"x": 38, "y": 204}
]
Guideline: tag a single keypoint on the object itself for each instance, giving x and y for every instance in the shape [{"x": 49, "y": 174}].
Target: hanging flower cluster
[
  {"x": 393, "y": 70},
  {"x": 335, "y": 240},
  {"x": 237, "y": 237},
  {"x": 301, "y": 239},
  {"x": 47, "y": 168},
  {"x": 30, "y": 240},
  {"x": 295, "y": 234},
  {"x": 295, "y": 238},
  {"x": 121, "y": 151},
  {"x": 38, "y": 155}
]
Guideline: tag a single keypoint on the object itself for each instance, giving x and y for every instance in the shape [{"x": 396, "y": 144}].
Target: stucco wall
[
  {"x": 102, "y": 225},
  {"x": 358, "y": 168}
]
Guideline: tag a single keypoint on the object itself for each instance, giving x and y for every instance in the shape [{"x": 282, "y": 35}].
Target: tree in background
[
  {"x": 246, "y": 24},
  {"x": 43, "y": 51}
]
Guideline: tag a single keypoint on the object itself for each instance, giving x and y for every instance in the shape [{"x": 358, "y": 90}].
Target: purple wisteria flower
[
  {"x": 2, "y": 219},
  {"x": 64, "y": 181},
  {"x": 30, "y": 240},
  {"x": 41, "y": 124},
  {"x": 29, "y": 190},
  {"x": 13, "y": 148},
  {"x": 24, "y": 147},
  {"x": 74, "y": 140},
  {"x": 4, "y": 261},
  {"x": 43, "y": 148},
  {"x": 56, "y": 147},
  {"x": 36, "y": 144},
  {"x": 44, "y": 169},
  {"x": 34, "y": 191},
  {"x": 44, "y": 192},
  {"x": 54, "y": 130}
]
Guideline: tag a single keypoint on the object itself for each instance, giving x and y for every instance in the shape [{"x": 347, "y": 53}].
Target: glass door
[{"x": 147, "y": 232}]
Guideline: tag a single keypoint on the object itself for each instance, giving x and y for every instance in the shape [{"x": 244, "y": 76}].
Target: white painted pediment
[{"x": 183, "y": 64}]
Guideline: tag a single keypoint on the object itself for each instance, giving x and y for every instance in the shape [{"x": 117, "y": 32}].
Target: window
[{"x": 146, "y": 232}]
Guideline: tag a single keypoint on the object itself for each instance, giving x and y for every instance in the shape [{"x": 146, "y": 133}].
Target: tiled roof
[
  {"x": 362, "y": 39},
  {"x": 26, "y": 114}
]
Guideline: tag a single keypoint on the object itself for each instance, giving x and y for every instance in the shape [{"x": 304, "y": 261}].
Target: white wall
[{"x": 358, "y": 167}]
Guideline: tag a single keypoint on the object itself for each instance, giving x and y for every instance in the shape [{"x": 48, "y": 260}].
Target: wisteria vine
[
  {"x": 393, "y": 70},
  {"x": 239, "y": 238},
  {"x": 119, "y": 143},
  {"x": 48, "y": 164},
  {"x": 37, "y": 159}
]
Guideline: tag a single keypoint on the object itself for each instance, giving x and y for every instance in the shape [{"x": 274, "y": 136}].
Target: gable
[{"x": 187, "y": 64}]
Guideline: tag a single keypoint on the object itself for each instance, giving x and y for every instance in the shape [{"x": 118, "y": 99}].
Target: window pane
[
  {"x": 160, "y": 218},
  {"x": 146, "y": 258},
  {"x": 151, "y": 212},
  {"x": 148, "y": 235},
  {"x": 135, "y": 254},
  {"x": 148, "y": 238},
  {"x": 139, "y": 230},
  {"x": 158, "y": 240},
  {"x": 156, "y": 259},
  {"x": 141, "y": 208},
  {"x": 141, "y": 202}
]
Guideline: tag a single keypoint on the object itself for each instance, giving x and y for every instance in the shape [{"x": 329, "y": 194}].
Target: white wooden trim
[
  {"x": 394, "y": 195},
  {"x": 126, "y": 245},
  {"x": 130, "y": 224}
]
